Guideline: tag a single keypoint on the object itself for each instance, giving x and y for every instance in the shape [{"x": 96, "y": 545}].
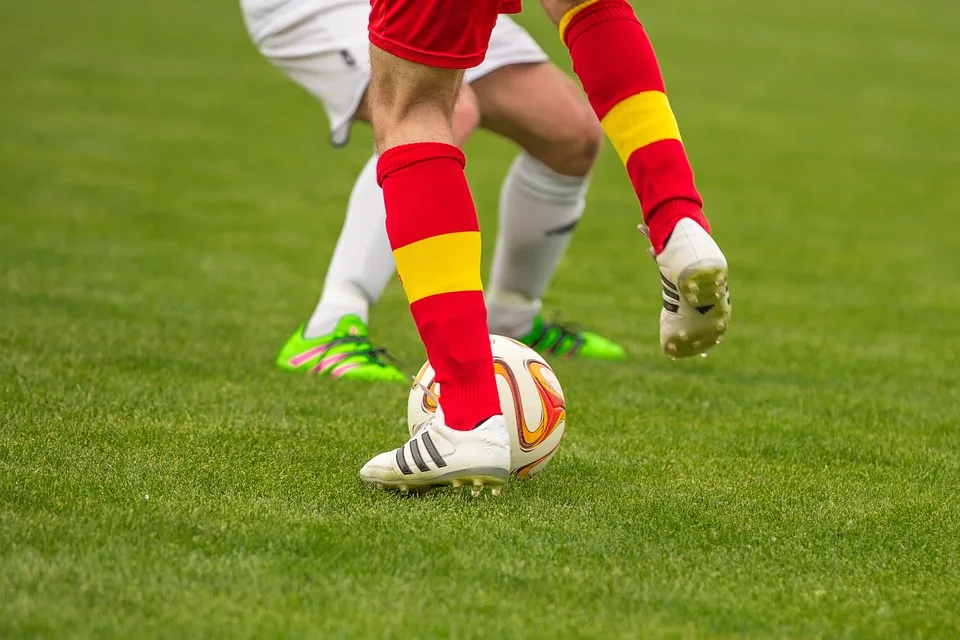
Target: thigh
[
  {"x": 411, "y": 102},
  {"x": 450, "y": 34},
  {"x": 537, "y": 106},
  {"x": 322, "y": 48},
  {"x": 510, "y": 44}
]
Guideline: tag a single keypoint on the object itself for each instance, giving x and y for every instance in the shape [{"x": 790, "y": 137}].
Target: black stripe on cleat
[
  {"x": 402, "y": 463},
  {"x": 432, "y": 450},
  {"x": 415, "y": 450},
  {"x": 667, "y": 283},
  {"x": 669, "y": 306},
  {"x": 671, "y": 294}
]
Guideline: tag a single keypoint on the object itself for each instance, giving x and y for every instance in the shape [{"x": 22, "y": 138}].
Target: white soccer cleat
[
  {"x": 696, "y": 298},
  {"x": 438, "y": 455}
]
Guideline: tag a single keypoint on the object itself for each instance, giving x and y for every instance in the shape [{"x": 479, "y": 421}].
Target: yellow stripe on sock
[
  {"x": 568, "y": 16},
  {"x": 440, "y": 264},
  {"x": 641, "y": 119}
]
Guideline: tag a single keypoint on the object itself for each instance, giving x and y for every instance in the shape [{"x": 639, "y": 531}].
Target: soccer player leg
[
  {"x": 324, "y": 49},
  {"x": 628, "y": 95},
  {"x": 528, "y": 100},
  {"x": 416, "y": 74},
  {"x": 335, "y": 341}
]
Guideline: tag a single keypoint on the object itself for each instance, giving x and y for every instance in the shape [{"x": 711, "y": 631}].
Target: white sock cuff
[
  {"x": 511, "y": 314},
  {"x": 337, "y": 301},
  {"x": 542, "y": 183}
]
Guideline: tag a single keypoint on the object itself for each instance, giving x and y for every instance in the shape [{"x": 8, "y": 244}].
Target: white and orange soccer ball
[{"x": 530, "y": 396}]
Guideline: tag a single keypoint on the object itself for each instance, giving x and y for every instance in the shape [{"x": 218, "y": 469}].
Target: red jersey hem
[{"x": 442, "y": 60}]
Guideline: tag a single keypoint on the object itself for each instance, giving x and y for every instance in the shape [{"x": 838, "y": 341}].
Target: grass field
[{"x": 167, "y": 207}]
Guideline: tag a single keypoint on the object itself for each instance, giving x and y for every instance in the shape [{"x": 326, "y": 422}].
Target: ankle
[
  {"x": 662, "y": 221},
  {"x": 470, "y": 398}
]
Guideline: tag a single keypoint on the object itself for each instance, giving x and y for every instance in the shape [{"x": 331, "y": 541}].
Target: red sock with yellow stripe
[
  {"x": 435, "y": 236},
  {"x": 620, "y": 74}
]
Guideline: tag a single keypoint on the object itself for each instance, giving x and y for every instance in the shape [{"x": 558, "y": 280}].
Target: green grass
[{"x": 167, "y": 207}]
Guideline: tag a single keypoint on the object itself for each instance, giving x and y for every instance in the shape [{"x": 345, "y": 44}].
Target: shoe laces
[
  {"x": 366, "y": 350},
  {"x": 561, "y": 331},
  {"x": 435, "y": 418},
  {"x": 645, "y": 232},
  {"x": 430, "y": 394}
]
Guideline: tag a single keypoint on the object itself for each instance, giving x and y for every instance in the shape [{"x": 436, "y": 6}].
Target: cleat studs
[
  {"x": 718, "y": 340},
  {"x": 682, "y": 336},
  {"x": 672, "y": 348},
  {"x": 696, "y": 345},
  {"x": 494, "y": 491},
  {"x": 693, "y": 287},
  {"x": 477, "y": 488},
  {"x": 721, "y": 325},
  {"x": 456, "y": 484},
  {"x": 693, "y": 300},
  {"x": 703, "y": 355},
  {"x": 721, "y": 279}
]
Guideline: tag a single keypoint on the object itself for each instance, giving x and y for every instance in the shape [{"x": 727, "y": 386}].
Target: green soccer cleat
[
  {"x": 345, "y": 353},
  {"x": 569, "y": 341}
]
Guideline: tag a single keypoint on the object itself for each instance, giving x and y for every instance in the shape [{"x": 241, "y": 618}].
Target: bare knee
[
  {"x": 573, "y": 150},
  {"x": 466, "y": 116},
  {"x": 542, "y": 110},
  {"x": 409, "y": 102}
]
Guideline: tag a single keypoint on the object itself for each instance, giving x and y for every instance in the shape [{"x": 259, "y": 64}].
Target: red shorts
[{"x": 452, "y": 34}]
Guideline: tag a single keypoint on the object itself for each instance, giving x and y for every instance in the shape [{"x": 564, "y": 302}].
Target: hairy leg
[
  {"x": 543, "y": 195},
  {"x": 362, "y": 263},
  {"x": 541, "y": 109},
  {"x": 433, "y": 229}
]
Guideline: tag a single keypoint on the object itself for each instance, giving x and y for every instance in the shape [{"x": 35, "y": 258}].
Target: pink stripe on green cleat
[{"x": 345, "y": 353}]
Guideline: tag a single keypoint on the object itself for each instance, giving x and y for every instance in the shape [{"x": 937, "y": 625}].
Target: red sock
[
  {"x": 435, "y": 236},
  {"x": 618, "y": 69}
]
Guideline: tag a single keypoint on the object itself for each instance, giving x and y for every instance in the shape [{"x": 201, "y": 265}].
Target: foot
[
  {"x": 346, "y": 353},
  {"x": 555, "y": 339},
  {"x": 696, "y": 298},
  {"x": 438, "y": 455}
]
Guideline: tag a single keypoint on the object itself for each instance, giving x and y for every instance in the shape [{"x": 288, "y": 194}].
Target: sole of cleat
[
  {"x": 703, "y": 283},
  {"x": 476, "y": 479},
  {"x": 477, "y": 485},
  {"x": 703, "y": 287}
]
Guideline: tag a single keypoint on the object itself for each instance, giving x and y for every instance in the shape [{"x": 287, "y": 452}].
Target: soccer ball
[{"x": 530, "y": 396}]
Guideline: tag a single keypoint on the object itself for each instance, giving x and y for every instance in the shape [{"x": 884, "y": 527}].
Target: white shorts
[{"x": 322, "y": 45}]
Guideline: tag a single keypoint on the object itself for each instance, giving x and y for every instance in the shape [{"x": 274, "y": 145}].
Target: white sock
[
  {"x": 362, "y": 263},
  {"x": 538, "y": 210}
]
